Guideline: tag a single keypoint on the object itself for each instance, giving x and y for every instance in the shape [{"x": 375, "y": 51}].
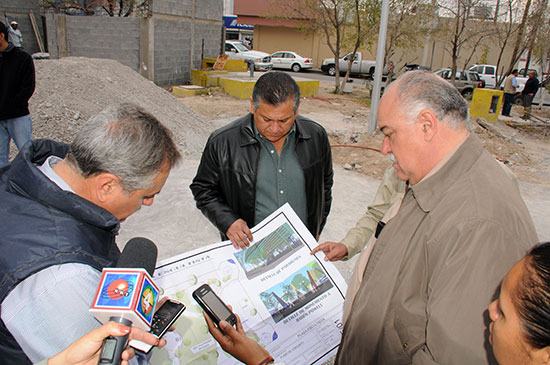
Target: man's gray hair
[
  {"x": 126, "y": 141},
  {"x": 418, "y": 90},
  {"x": 275, "y": 88}
]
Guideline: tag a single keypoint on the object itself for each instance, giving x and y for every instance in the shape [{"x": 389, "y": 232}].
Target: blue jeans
[
  {"x": 507, "y": 106},
  {"x": 19, "y": 129}
]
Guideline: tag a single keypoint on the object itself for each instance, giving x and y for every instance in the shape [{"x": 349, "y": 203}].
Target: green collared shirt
[{"x": 280, "y": 178}]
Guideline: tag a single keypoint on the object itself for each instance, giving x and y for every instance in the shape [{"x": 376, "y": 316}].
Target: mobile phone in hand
[
  {"x": 213, "y": 305},
  {"x": 163, "y": 319}
]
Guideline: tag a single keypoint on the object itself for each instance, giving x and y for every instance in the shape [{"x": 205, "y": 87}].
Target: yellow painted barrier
[
  {"x": 241, "y": 86},
  {"x": 238, "y": 88},
  {"x": 486, "y": 103},
  {"x": 230, "y": 65},
  {"x": 206, "y": 78},
  {"x": 186, "y": 90}
]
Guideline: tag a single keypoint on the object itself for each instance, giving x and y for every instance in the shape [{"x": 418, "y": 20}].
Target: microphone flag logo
[{"x": 127, "y": 293}]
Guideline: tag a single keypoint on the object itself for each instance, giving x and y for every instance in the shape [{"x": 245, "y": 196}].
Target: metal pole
[{"x": 375, "y": 96}]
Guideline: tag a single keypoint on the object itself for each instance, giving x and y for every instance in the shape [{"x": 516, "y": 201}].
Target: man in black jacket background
[
  {"x": 16, "y": 88},
  {"x": 529, "y": 91},
  {"x": 263, "y": 160}
]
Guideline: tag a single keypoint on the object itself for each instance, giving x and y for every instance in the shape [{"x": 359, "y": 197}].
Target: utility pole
[{"x": 379, "y": 68}]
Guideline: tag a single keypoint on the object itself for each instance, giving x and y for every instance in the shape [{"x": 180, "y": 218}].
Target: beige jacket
[
  {"x": 508, "y": 88},
  {"x": 436, "y": 266},
  {"x": 390, "y": 190}
]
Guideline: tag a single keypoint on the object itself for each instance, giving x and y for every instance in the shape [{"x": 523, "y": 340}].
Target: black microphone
[
  {"x": 118, "y": 290},
  {"x": 139, "y": 252}
]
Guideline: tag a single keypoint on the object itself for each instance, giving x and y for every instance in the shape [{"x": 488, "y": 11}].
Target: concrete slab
[{"x": 186, "y": 90}]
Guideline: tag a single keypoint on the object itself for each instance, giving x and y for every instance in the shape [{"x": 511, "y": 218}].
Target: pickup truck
[
  {"x": 359, "y": 66},
  {"x": 237, "y": 50}
]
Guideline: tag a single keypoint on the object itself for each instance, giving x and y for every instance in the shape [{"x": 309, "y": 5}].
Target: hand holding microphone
[
  {"x": 127, "y": 295},
  {"x": 86, "y": 349}
]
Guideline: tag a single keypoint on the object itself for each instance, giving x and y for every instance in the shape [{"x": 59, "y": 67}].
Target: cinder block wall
[
  {"x": 163, "y": 48},
  {"x": 172, "y": 51},
  {"x": 18, "y": 10},
  {"x": 105, "y": 37},
  {"x": 180, "y": 26}
]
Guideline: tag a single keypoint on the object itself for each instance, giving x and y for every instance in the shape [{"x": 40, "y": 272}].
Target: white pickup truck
[{"x": 359, "y": 66}]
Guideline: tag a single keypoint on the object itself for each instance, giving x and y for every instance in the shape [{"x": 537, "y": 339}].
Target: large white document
[{"x": 289, "y": 301}]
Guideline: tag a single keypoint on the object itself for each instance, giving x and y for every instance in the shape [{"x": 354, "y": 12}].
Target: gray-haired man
[
  {"x": 420, "y": 293},
  {"x": 61, "y": 210}
]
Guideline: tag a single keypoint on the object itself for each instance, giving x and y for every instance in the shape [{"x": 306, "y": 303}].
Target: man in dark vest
[{"x": 60, "y": 212}]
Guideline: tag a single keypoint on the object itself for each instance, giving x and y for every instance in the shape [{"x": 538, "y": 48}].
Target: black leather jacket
[{"x": 225, "y": 185}]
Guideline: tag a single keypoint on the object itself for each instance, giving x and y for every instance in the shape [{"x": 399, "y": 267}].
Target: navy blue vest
[{"x": 43, "y": 225}]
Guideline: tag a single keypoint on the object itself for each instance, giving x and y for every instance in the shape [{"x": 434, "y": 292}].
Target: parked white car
[
  {"x": 237, "y": 50},
  {"x": 487, "y": 74},
  {"x": 290, "y": 61}
]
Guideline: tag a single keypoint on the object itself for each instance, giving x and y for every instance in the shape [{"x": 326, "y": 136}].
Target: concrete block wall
[
  {"x": 178, "y": 47},
  {"x": 174, "y": 7},
  {"x": 163, "y": 48},
  {"x": 104, "y": 37},
  {"x": 18, "y": 10},
  {"x": 209, "y": 9},
  {"x": 51, "y": 31},
  {"x": 211, "y": 34},
  {"x": 172, "y": 53}
]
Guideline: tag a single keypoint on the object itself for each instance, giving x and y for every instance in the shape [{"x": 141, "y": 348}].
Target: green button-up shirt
[{"x": 280, "y": 178}]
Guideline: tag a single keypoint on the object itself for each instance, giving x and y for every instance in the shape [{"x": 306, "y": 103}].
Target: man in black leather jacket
[{"x": 241, "y": 179}]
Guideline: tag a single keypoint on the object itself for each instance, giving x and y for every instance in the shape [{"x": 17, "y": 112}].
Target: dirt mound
[{"x": 71, "y": 90}]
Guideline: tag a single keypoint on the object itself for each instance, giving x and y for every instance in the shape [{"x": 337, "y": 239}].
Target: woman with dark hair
[{"x": 520, "y": 328}]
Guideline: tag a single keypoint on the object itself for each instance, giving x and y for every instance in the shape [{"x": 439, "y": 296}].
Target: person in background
[
  {"x": 529, "y": 91},
  {"x": 510, "y": 87},
  {"x": 16, "y": 88},
  {"x": 15, "y": 36}
]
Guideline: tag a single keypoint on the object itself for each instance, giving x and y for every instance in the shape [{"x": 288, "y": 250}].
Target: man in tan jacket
[
  {"x": 510, "y": 86},
  {"x": 426, "y": 281}
]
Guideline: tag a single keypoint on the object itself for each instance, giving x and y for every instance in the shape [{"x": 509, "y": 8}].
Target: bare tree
[
  {"x": 118, "y": 8},
  {"x": 465, "y": 28},
  {"x": 505, "y": 27},
  {"x": 409, "y": 23},
  {"x": 536, "y": 21},
  {"x": 518, "y": 48},
  {"x": 345, "y": 24}
]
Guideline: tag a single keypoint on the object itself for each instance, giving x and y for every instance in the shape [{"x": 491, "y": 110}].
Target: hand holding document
[{"x": 289, "y": 301}]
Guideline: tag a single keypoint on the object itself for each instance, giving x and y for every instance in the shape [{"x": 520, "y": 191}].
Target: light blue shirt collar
[{"x": 46, "y": 169}]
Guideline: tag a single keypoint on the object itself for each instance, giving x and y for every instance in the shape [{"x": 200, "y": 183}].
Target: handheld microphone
[{"x": 127, "y": 294}]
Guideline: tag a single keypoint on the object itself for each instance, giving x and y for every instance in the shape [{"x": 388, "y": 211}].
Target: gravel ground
[{"x": 71, "y": 90}]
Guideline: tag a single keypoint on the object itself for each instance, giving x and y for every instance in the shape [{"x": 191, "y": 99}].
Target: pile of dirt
[{"x": 71, "y": 90}]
